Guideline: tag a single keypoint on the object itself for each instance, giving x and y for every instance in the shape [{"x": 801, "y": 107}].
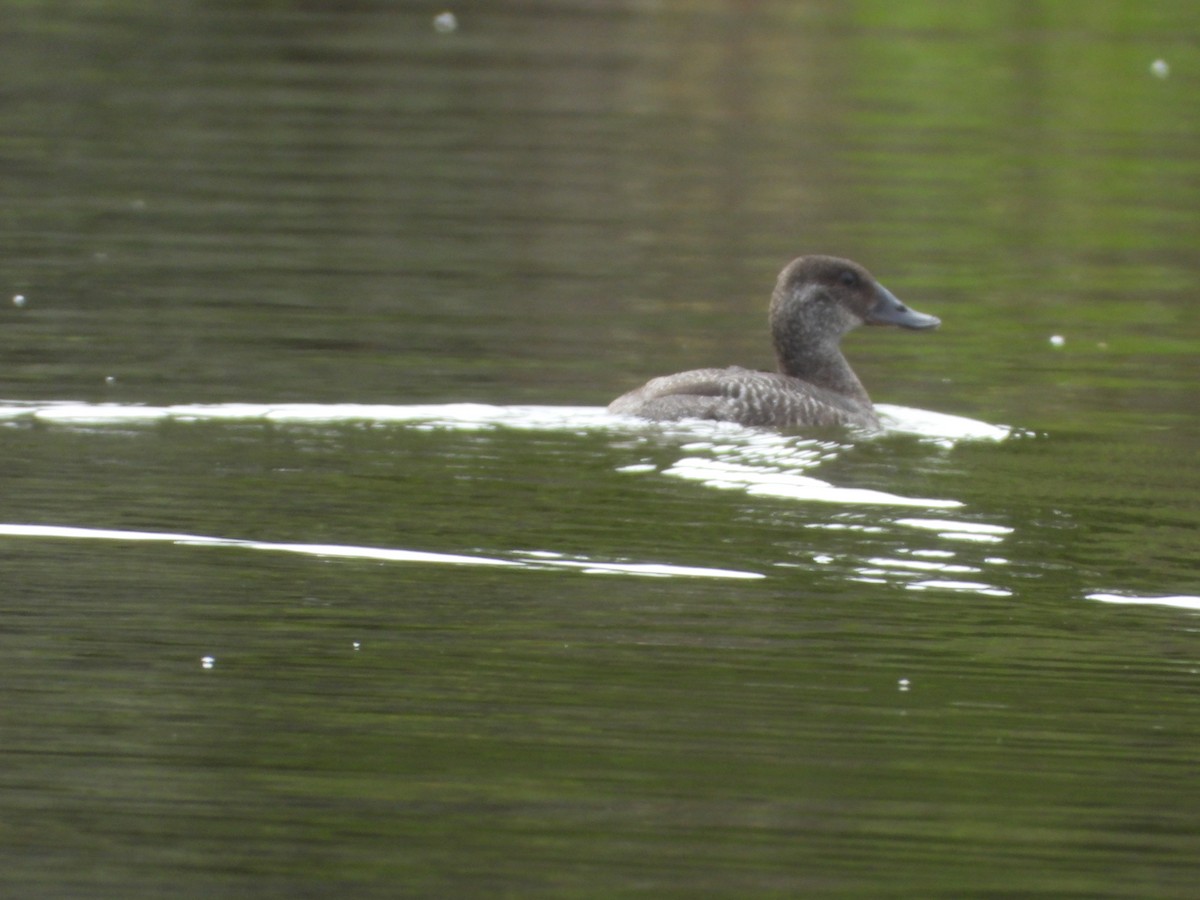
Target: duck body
[
  {"x": 817, "y": 300},
  {"x": 745, "y": 396}
]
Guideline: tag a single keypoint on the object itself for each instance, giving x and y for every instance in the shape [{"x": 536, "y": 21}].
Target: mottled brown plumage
[{"x": 817, "y": 300}]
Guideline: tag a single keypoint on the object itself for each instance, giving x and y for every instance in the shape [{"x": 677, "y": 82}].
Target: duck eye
[{"x": 848, "y": 278}]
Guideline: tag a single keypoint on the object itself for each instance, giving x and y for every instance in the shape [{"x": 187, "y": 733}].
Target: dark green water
[{"x": 523, "y": 649}]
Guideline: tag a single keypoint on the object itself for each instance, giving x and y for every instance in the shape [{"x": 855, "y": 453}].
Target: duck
[{"x": 817, "y": 301}]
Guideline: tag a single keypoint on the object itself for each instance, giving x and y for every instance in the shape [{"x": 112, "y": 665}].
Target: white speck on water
[
  {"x": 110, "y": 380},
  {"x": 18, "y": 299},
  {"x": 1057, "y": 340},
  {"x": 356, "y": 645},
  {"x": 1160, "y": 69},
  {"x": 207, "y": 662},
  {"x": 444, "y": 23},
  {"x": 904, "y": 684}
]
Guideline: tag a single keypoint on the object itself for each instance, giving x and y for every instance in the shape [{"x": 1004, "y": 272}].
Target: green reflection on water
[{"x": 286, "y": 203}]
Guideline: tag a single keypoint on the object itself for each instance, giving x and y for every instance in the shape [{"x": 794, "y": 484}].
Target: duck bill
[{"x": 887, "y": 310}]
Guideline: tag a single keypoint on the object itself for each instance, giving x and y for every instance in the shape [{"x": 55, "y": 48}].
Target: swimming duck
[{"x": 817, "y": 300}]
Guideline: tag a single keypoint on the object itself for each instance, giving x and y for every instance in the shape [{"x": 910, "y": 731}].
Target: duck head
[{"x": 817, "y": 300}]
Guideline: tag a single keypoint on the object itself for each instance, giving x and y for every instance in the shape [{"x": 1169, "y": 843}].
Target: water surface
[{"x": 326, "y": 573}]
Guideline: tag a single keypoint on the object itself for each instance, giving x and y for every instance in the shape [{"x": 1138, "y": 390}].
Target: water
[{"x": 326, "y": 573}]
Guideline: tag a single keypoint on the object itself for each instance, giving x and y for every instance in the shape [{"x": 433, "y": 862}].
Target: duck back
[{"x": 763, "y": 399}]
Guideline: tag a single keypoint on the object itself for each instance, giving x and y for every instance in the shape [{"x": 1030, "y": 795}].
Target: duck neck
[{"x": 819, "y": 362}]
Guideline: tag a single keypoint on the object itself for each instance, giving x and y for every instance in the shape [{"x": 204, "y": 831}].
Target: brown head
[{"x": 817, "y": 300}]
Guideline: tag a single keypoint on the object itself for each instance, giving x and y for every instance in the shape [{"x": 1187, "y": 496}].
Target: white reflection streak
[
  {"x": 766, "y": 482},
  {"x": 943, "y": 429},
  {"x": 974, "y": 587},
  {"x": 465, "y": 416},
  {"x": 920, "y": 565},
  {"x": 1179, "y": 601},
  {"x": 959, "y": 531},
  {"x": 883, "y": 569},
  {"x": 539, "y": 561}
]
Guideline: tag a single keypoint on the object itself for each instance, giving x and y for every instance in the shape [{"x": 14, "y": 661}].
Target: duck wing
[{"x": 743, "y": 396}]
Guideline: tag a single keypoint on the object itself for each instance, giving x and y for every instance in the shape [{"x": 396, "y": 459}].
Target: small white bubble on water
[
  {"x": 904, "y": 684},
  {"x": 356, "y": 645},
  {"x": 1160, "y": 69},
  {"x": 110, "y": 380},
  {"x": 207, "y": 662},
  {"x": 444, "y": 23},
  {"x": 18, "y": 299},
  {"x": 1057, "y": 340}
]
